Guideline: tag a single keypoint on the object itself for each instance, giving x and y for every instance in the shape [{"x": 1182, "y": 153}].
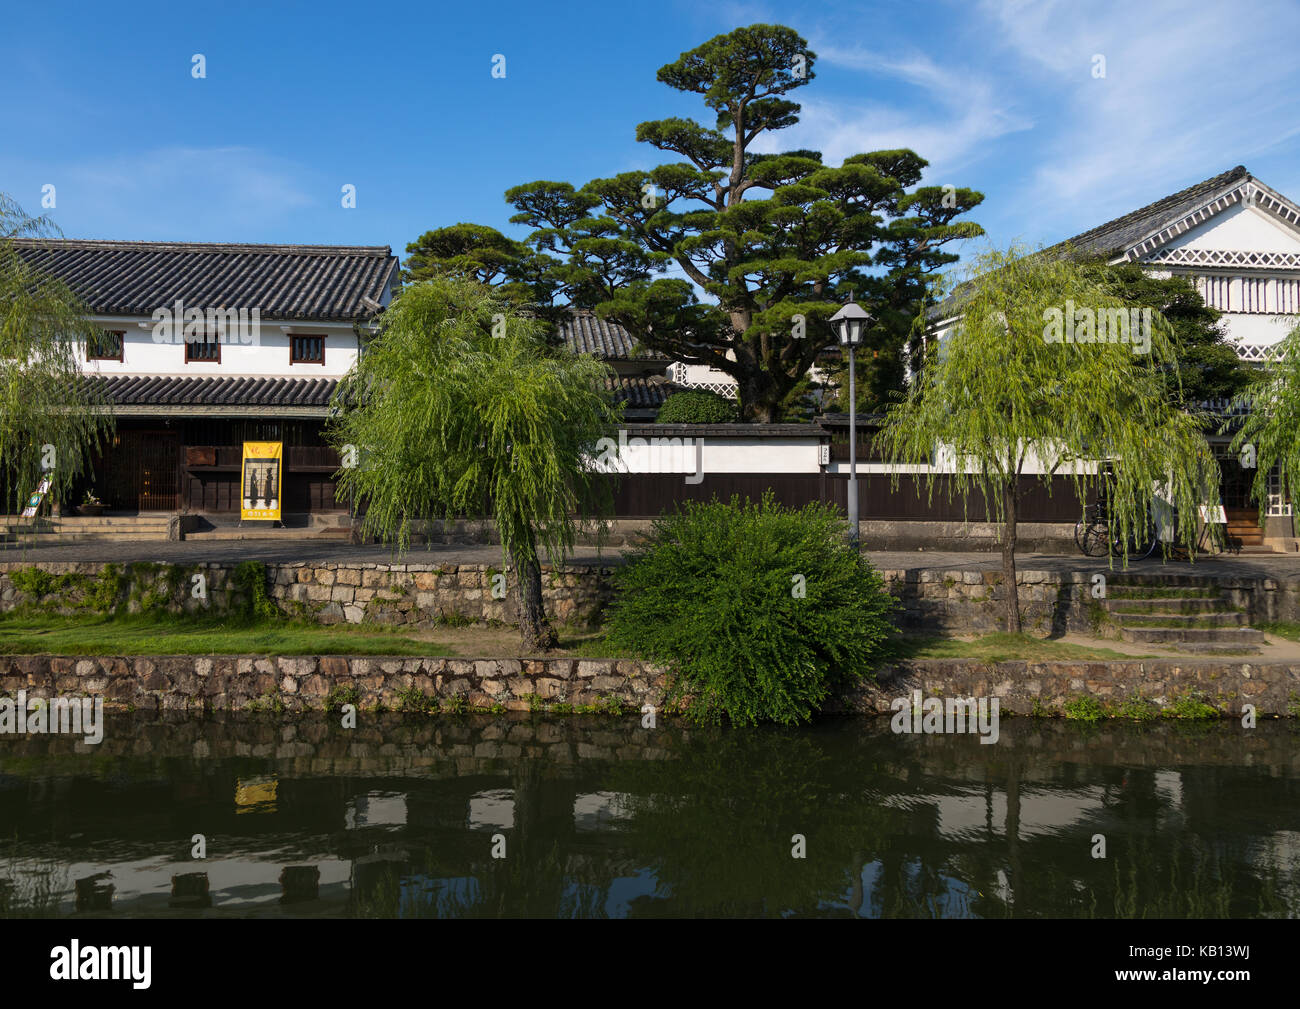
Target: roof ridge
[
  {"x": 1215, "y": 182},
  {"x": 232, "y": 247}
]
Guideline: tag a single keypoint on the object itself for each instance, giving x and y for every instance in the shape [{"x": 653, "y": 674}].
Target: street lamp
[{"x": 849, "y": 323}]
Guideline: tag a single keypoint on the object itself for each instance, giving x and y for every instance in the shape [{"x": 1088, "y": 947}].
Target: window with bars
[
  {"x": 206, "y": 352},
  {"x": 306, "y": 350},
  {"x": 1278, "y": 504},
  {"x": 1216, "y": 292},
  {"x": 1288, "y": 295},
  {"x": 1259, "y": 295},
  {"x": 1254, "y": 294},
  {"x": 106, "y": 345}
]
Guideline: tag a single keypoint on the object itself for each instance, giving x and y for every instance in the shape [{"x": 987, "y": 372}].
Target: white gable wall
[
  {"x": 1242, "y": 228},
  {"x": 1259, "y": 304}
]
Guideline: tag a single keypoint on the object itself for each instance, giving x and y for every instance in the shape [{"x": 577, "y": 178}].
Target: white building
[
  {"x": 1239, "y": 241},
  {"x": 204, "y": 346}
]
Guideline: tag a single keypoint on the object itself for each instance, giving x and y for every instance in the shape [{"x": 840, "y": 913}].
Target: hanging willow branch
[
  {"x": 51, "y": 419},
  {"x": 452, "y": 421},
  {"x": 1008, "y": 395}
]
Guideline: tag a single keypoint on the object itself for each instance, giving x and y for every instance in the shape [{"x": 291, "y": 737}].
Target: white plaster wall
[
  {"x": 711, "y": 455},
  {"x": 266, "y": 357},
  {"x": 1240, "y": 228}
]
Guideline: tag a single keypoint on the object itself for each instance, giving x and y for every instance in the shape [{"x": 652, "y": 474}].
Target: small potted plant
[{"x": 91, "y": 505}]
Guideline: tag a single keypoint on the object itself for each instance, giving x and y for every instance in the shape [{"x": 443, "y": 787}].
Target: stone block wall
[
  {"x": 330, "y": 593},
  {"x": 307, "y": 682},
  {"x": 312, "y": 683},
  {"x": 1028, "y": 688},
  {"x": 952, "y": 601}
]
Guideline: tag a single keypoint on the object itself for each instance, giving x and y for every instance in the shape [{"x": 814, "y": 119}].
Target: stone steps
[
  {"x": 1170, "y": 607},
  {"x": 90, "y": 528},
  {"x": 1237, "y": 638},
  {"x": 1187, "y": 615},
  {"x": 1207, "y": 621}
]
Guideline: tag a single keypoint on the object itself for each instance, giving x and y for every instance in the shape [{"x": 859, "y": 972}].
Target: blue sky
[{"x": 399, "y": 101}]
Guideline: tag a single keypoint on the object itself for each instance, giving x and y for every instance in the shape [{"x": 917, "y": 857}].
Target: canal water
[{"x": 482, "y": 816}]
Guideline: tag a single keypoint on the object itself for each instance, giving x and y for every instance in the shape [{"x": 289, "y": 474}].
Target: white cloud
[
  {"x": 956, "y": 113},
  {"x": 226, "y": 192},
  {"x": 1189, "y": 91}
]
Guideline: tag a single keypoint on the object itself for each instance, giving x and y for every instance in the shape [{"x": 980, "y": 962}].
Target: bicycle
[{"x": 1095, "y": 536}]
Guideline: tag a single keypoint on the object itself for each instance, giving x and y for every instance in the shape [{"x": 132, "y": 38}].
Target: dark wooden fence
[{"x": 648, "y": 495}]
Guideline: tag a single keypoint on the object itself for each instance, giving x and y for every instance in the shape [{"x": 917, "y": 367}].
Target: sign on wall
[
  {"x": 259, "y": 496},
  {"x": 34, "y": 502}
]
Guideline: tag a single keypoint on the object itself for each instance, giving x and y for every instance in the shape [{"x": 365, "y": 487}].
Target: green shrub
[
  {"x": 1190, "y": 705},
  {"x": 415, "y": 701},
  {"x": 255, "y": 604},
  {"x": 33, "y": 582},
  {"x": 340, "y": 695},
  {"x": 456, "y": 705},
  {"x": 696, "y": 406},
  {"x": 106, "y": 594},
  {"x": 759, "y": 610},
  {"x": 1138, "y": 708},
  {"x": 1084, "y": 708}
]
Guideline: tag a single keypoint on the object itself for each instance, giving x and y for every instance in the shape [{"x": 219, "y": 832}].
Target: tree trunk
[
  {"x": 534, "y": 628},
  {"x": 1009, "y": 499}
]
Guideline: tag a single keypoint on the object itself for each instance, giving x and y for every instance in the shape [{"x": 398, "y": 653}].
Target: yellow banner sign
[{"x": 259, "y": 482}]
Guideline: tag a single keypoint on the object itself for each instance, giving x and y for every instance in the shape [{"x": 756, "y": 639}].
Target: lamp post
[{"x": 849, "y": 323}]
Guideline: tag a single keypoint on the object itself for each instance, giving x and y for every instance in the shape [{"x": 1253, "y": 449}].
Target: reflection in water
[{"x": 580, "y": 817}]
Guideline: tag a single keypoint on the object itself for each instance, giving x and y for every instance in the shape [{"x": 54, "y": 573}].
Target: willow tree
[
  {"x": 458, "y": 408},
  {"x": 1047, "y": 373},
  {"x": 1267, "y": 436},
  {"x": 51, "y": 419}
]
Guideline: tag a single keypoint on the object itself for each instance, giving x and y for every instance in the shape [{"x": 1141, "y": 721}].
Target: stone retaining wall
[
  {"x": 953, "y": 601},
  {"x": 330, "y": 593},
  {"x": 964, "y": 602},
  {"x": 1043, "y": 688},
  {"x": 307, "y": 683}
]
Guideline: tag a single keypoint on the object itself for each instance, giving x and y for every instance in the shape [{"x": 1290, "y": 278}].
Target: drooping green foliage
[
  {"x": 1268, "y": 435},
  {"x": 696, "y": 406},
  {"x": 776, "y": 239},
  {"x": 760, "y": 610},
  {"x": 51, "y": 420},
  {"x": 1006, "y": 395},
  {"x": 449, "y": 420},
  {"x": 1207, "y": 367}
]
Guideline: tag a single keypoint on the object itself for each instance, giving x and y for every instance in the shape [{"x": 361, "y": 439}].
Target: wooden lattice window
[
  {"x": 207, "y": 351},
  {"x": 306, "y": 350},
  {"x": 106, "y": 345}
]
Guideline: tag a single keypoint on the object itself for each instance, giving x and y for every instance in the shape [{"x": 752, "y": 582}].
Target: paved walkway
[{"x": 1282, "y": 566}]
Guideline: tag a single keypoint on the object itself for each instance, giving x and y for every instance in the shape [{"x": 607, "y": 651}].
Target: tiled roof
[
  {"x": 1115, "y": 236},
  {"x": 171, "y": 390},
  {"x": 638, "y": 393},
  {"x": 281, "y": 281},
  {"x": 585, "y": 333}
]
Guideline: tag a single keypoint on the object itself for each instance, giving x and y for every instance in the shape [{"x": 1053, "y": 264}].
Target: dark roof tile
[
  {"x": 1115, "y": 236},
  {"x": 638, "y": 393},
  {"x": 168, "y": 390},
  {"x": 586, "y": 333},
  {"x": 281, "y": 281}
]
